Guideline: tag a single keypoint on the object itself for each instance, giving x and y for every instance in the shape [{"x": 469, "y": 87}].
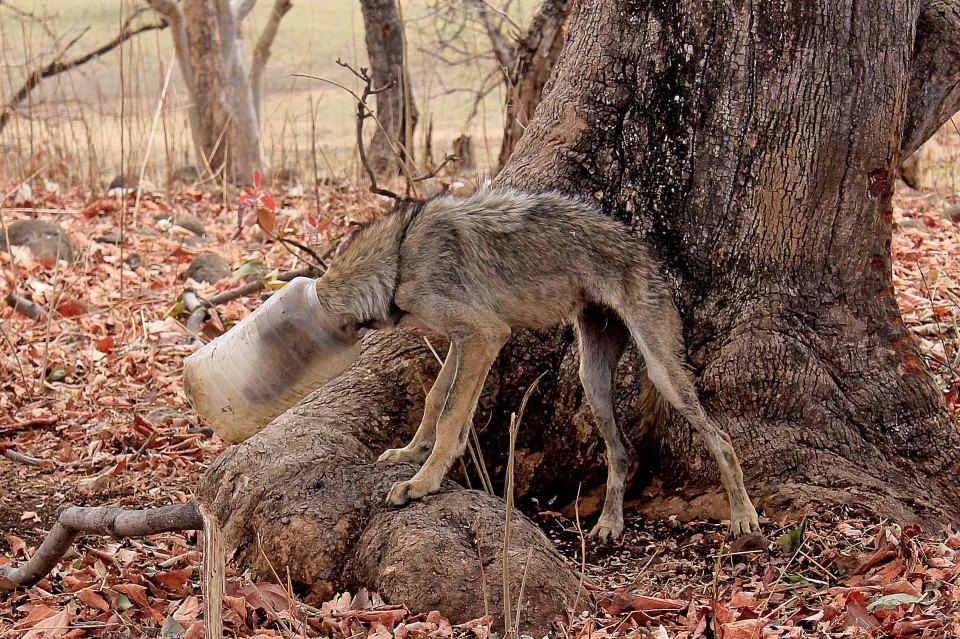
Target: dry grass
[{"x": 87, "y": 125}]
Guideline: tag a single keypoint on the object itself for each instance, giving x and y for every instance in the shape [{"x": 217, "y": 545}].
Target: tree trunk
[
  {"x": 535, "y": 55},
  {"x": 396, "y": 112},
  {"x": 753, "y": 146},
  {"x": 767, "y": 190},
  {"x": 225, "y": 109}
]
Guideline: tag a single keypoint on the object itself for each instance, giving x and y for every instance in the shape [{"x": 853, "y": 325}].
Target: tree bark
[
  {"x": 305, "y": 495},
  {"x": 536, "y": 53},
  {"x": 753, "y": 146},
  {"x": 397, "y": 115},
  {"x": 767, "y": 191}
]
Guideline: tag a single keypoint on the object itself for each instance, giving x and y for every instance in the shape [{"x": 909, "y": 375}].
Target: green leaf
[
  {"x": 791, "y": 541},
  {"x": 803, "y": 580},
  {"x": 123, "y": 602},
  {"x": 171, "y": 629},
  {"x": 246, "y": 269},
  {"x": 177, "y": 307},
  {"x": 892, "y": 601}
]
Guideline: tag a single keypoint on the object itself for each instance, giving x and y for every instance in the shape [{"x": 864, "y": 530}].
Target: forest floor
[{"x": 91, "y": 393}]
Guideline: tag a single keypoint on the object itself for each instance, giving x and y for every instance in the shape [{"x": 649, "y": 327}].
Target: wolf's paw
[
  {"x": 744, "y": 520},
  {"x": 403, "y": 492},
  {"x": 405, "y": 454},
  {"x": 607, "y": 529}
]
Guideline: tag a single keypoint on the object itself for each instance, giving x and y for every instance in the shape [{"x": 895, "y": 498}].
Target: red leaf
[
  {"x": 266, "y": 219},
  {"x": 105, "y": 344},
  {"x": 71, "y": 308},
  {"x": 173, "y": 580},
  {"x": 256, "y": 178},
  {"x": 268, "y": 202},
  {"x": 91, "y": 599}
]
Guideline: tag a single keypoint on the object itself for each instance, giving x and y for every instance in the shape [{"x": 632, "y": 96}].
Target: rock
[
  {"x": 119, "y": 182},
  {"x": 193, "y": 241},
  {"x": 44, "y": 239},
  {"x": 186, "y": 221},
  {"x": 287, "y": 175},
  {"x": 749, "y": 543},
  {"x": 109, "y": 238},
  {"x": 952, "y": 212},
  {"x": 188, "y": 174},
  {"x": 190, "y": 222},
  {"x": 207, "y": 267}
]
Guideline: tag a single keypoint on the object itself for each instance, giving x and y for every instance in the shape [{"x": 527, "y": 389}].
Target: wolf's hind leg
[
  {"x": 656, "y": 330},
  {"x": 420, "y": 446},
  {"x": 477, "y": 348},
  {"x": 602, "y": 339}
]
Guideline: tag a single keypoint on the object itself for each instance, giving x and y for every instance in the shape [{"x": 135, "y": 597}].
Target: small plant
[{"x": 259, "y": 201}]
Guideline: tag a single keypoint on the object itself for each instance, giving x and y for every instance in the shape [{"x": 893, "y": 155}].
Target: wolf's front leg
[
  {"x": 420, "y": 446},
  {"x": 474, "y": 356}
]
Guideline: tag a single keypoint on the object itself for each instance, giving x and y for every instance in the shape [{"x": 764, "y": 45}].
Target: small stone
[
  {"x": 186, "y": 175},
  {"x": 119, "y": 182},
  {"x": 44, "y": 239},
  {"x": 109, "y": 238},
  {"x": 207, "y": 267},
  {"x": 193, "y": 241},
  {"x": 749, "y": 543},
  {"x": 190, "y": 222},
  {"x": 952, "y": 212}
]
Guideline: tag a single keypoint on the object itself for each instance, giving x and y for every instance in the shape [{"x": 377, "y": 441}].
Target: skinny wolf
[{"x": 476, "y": 268}]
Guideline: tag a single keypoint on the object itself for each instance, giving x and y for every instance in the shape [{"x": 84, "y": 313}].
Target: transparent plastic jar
[{"x": 268, "y": 362}]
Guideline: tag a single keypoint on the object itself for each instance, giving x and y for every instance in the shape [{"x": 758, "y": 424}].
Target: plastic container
[{"x": 268, "y": 362}]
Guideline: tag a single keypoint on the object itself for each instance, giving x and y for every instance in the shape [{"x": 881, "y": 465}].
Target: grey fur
[{"x": 474, "y": 269}]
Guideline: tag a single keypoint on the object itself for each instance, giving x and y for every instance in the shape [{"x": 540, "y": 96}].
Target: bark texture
[
  {"x": 396, "y": 111},
  {"x": 767, "y": 191},
  {"x": 305, "y": 493},
  {"x": 753, "y": 146},
  {"x": 531, "y": 63}
]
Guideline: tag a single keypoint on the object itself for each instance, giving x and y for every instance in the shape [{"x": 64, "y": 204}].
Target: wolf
[{"x": 476, "y": 268}]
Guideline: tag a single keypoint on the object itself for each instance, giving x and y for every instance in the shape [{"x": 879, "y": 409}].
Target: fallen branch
[
  {"x": 24, "y": 306},
  {"x": 102, "y": 520},
  {"x": 198, "y": 307},
  {"x": 118, "y": 522},
  {"x": 198, "y": 312},
  {"x": 259, "y": 285},
  {"x": 20, "y": 458}
]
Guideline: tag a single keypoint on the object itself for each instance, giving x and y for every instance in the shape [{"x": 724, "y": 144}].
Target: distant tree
[
  {"x": 396, "y": 110},
  {"x": 226, "y": 98},
  {"x": 531, "y": 63},
  {"x": 60, "y": 62}
]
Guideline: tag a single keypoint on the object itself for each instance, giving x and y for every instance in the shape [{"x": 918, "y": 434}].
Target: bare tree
[
  {"x": 226, "y": 98},
  {"x": 396, "y": 110},
  {"x": 60, "y": 63}
]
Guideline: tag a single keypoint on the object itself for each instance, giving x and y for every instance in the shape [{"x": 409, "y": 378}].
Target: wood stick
[
  {"x": 24, "y": 306},
  {"x": 101, "y": 520}
]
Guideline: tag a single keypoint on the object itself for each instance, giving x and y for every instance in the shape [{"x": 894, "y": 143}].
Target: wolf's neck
[{"x": 362, "y": 281}]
